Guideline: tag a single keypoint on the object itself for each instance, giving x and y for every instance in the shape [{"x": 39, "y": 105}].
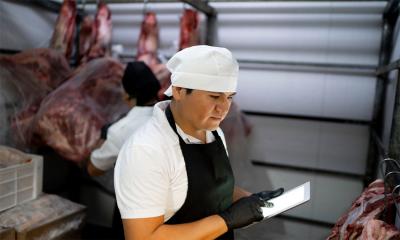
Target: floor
[{"x": 279, "y": 228}]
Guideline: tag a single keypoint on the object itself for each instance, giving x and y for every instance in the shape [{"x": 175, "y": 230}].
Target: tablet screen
[{"x": 288, "y": 200}]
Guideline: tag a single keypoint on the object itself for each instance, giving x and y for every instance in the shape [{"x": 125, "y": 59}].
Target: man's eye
[
  {"x": 230, "y": 97},
  {"x": 214, "y": 96}
]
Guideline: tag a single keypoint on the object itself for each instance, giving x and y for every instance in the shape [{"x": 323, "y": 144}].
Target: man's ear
[{"x": 178, "y": 92}]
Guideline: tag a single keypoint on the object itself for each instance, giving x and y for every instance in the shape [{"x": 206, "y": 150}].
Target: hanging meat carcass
[
  {"x": 70, "y": 118},
  {"x": 364, "y": 214},
  {"x": 20, "y": 96},
  {"x": 49, "y": 66},
  {"x": 45, "y": 69},
  {"x": 63, "y": 34},
  {"x": 379, "y": 230},
  {"x": 147, "y": 48},
  {"x": 189, "y": 32},
  {"x": 101, "y": 45},
  {"x": 147, "y": 45},
  {"x": 30, "y": 76},
  {"x": 86, "y": 37}
]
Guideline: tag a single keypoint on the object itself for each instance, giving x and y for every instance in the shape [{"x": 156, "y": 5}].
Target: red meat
[
  {"x": 189, "y": 32},
  {"x": 70, "y": 118},
  {"x": 63, "y": 34}
]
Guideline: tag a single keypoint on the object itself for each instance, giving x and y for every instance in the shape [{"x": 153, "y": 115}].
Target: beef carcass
[
  {"x": 147, "y": 51},
  {"x": 29, "y": 76},
  {"x": 70, "y": 118},
  {"x": 369, "y": 206},
  {"x": 63, "y": 34},
  {"x": 50, "y": 67},
  {"x": 189, "y": 32},
  {"x": 379, "y": 230},
  {"x": 101, "y": 46},
  {"x": 164, "y": 77},
  {"x": 147, "y": 45},
  {"x": 86, "y": 37},
  {"x": 20, "y": 96}
]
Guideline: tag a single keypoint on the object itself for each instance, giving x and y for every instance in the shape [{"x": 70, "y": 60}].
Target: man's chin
[{"x": 212, "y": 127}]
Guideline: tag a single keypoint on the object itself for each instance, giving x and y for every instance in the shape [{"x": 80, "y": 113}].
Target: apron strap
[{"x": 170, "y": 118}]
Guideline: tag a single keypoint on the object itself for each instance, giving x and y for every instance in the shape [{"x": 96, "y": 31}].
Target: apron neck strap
[{"x": 170, "y": 118}]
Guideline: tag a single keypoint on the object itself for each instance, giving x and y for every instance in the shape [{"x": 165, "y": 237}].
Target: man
[
  {"x": 141, "y": 88},
  {"x": 173, "y": 179}
]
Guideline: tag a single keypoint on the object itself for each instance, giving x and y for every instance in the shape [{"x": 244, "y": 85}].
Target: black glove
[
  {"x": 243, "y": 212},
  {"x": 267, "y": 195},
  {"x": 247, "y": 210}
]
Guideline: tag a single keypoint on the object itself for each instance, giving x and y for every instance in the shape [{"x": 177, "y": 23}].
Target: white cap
[{"x": 205, "y": 68}]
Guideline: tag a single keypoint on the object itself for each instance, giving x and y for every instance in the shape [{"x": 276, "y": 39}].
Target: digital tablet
[{"x": 287, "y": 200}]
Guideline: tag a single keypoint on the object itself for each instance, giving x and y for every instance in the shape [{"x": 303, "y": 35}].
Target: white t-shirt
[
  {"x": 104, "y": 157},
  {"x": 150, "y": 175}
]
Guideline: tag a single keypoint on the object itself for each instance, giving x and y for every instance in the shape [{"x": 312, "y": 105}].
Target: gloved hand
[
  {"x": 243, "y": 212},
  {"x": 267, "y": 195},
  {"x": 247, "y": 210}
]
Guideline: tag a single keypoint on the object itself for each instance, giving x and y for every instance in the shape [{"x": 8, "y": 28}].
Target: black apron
[{"x": 210, "y": 180}]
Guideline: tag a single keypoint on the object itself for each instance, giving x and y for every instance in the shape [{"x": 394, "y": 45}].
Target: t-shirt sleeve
[
  {"x": 104, "y": 157},
  {"x": 141, "y": 182}
]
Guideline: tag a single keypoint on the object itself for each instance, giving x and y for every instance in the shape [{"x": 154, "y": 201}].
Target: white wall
[
  {"x": 307, "y": 93},
  {"x": 305, "y": 32},
  {"x": 24, "y": 26}
]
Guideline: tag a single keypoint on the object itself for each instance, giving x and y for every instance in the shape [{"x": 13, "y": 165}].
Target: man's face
[{"x": 204, "y": 110}]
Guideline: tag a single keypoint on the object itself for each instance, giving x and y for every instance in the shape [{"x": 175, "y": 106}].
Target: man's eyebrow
[{"x": 221, "y": 93}]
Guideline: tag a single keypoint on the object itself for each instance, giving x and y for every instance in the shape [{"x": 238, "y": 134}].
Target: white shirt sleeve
[
  {"x": 141, "y": 182},
  {"x": 104, "y": 157}
]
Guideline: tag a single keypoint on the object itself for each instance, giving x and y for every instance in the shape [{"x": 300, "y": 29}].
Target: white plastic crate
[{"x": 20, "y": 179}]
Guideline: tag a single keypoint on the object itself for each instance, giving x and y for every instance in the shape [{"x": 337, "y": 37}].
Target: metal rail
[
  {"x": 390, "y": 67},
  {"x": 197, "y": 4},
  {"x": 308, "y": 118},
  {"x": 309, "y": 67},
  {"x": 308, "y": 170}
]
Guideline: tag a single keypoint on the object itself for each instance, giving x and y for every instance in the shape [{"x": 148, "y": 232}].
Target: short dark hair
[
  {"x": 188, "y": 91},
  {"x": 139, "y": 82}
]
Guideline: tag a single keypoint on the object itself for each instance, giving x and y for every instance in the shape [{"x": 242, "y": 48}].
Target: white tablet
[{"x": 288, "y": 200}]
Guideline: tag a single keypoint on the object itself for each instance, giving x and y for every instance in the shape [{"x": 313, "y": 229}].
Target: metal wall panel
[{"x": 309, "y": 144}]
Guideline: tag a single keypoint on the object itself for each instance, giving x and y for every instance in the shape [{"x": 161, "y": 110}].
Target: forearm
[
  {"x": 239, "y": 193},
  {"x": 93, "y": 170},
  {"x": 211, "y": 227},
  {"x": 207, "y": 228}
]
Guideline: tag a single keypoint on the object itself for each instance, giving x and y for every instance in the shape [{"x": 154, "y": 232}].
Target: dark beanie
[{"x": 140, "y": 83}]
